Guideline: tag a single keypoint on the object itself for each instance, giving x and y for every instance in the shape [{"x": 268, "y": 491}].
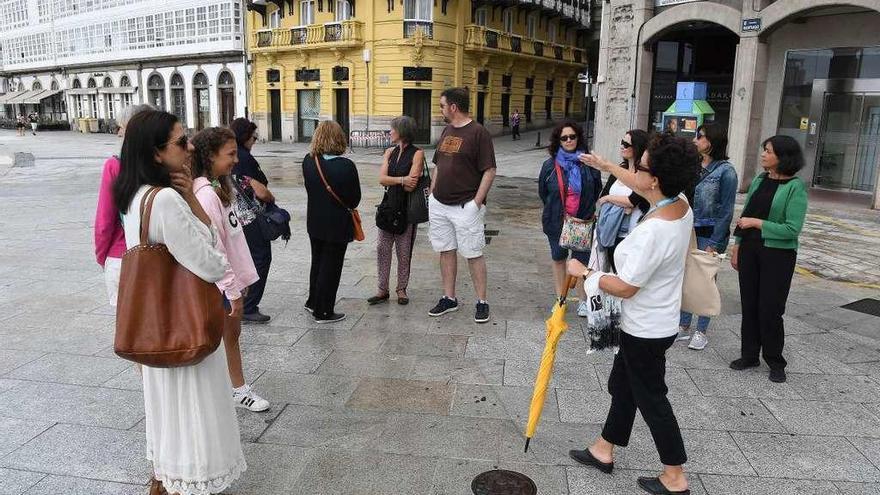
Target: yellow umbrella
[{"x": 556, "y": 326}]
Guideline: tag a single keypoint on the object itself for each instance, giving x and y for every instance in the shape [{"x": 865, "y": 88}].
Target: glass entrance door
[{"x": 849, "y": 145}]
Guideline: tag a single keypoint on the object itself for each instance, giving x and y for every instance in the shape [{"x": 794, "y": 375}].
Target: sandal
[
  {"x": 402, "y": 300},
  {"x": 377, "y": 299}
]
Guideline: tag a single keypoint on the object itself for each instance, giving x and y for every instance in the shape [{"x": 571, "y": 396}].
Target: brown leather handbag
[{"x": 166, "y": 316}]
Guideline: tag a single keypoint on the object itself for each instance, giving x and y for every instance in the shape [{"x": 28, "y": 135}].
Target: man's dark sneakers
[
  {"x": 743, "y": 363},
  {"x": 445, "y": 305},
  {"x": 482, "y": 313},
  {"x": 255, "y": 318},
  {"x": 777, "y": 376},
  {"x": 331, "y": 318}
]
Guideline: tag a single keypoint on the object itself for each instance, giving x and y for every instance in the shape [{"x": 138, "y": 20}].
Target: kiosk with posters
[{"x": 689, "y": 111}]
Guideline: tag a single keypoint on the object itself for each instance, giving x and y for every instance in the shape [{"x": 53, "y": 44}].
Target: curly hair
[
  {"x": 208, "y": 143},
  {"x": 244, "y": 129},
  {"x": 329, "y": 138},
  {"x": 555, "y": 144},
  {"x": 675, "y": 162}
]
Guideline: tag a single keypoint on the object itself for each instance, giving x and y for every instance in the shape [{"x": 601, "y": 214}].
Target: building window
[
  {"x": 202, "y": 101},
  {"x": 54, "y": 85},
  {"x": 178, "y": 98},
  {"x": 340, "y": 73},
  {"x": 418, "y": 10},
  {"x": 506, "y": 80},
  {"x": 76, "y": 84},
  {"x": 108, "y": 83},
  {"x": 275, "y": 19},
  {"x": 481, "y": 17},
  {"x": 306, "y": 12},
  {"x": 37, "y": 86},
  {"x": 308, "y": 75},
  {"x": 92, "y": 83},
  {"x": 124, "y": 82},
  {"x": 551, "y": 32},
  {"x": 532, "y": 26},
  {"x": 273, "y": 76},
  {"x": 226, "y": 89},
  {"x": 156, "y": 91},
  {"x": 343, "y": 10},
  {"x": 507, "y": 20},
  {"x": 530, "y": 83},
  {"x": 93, "y": 106},
  {"x": 483, "y": 78},
  {"x": 417, "y": 73}
]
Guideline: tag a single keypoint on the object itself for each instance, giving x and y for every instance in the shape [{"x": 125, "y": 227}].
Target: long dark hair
[
  {"x": 640, "y": 140},
  {"x": 145, "y": 133},
  {"x": 244, "y": 129},
  {"x": 717, "y": 137},
  {"x": 555, "y": 144},
  {"x": 207, "y": 143}
]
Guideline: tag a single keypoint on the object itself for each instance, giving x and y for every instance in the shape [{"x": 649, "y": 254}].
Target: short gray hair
[
  {"x": 406, "y": 128},
  {"x": 130, "y": 111}
]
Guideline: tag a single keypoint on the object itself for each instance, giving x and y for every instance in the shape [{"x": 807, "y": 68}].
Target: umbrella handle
[{"x": 570, "y": 282}]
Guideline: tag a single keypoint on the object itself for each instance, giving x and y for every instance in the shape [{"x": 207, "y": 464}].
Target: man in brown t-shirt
[{"x": 463, "y": 174}]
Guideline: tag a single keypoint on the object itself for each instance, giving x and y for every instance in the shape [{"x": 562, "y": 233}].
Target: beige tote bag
[{"x": 699, "y": 293}]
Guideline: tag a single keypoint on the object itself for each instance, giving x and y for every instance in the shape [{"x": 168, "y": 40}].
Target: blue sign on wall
[{"x": 751, "y": 24}]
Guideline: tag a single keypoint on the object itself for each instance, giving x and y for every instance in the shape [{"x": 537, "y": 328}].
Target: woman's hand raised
[{"x": 595, "y": 161}]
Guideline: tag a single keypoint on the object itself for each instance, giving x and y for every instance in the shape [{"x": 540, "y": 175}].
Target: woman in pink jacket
[
  {"x": 215, "y": 154},
  {"x": 109, "y": 235}
]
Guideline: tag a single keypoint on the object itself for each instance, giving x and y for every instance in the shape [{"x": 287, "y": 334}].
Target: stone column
[
  {"x": 746, "y": 107},
  {"x": 619, "y": 46}
]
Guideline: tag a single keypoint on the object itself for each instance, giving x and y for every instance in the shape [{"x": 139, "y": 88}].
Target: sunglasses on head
[
  {"x": 568, "y": 137},
  {"x": 625, "y": 145}
]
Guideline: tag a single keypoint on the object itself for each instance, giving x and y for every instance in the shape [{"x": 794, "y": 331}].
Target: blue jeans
[{"x": 702, "y": 321}]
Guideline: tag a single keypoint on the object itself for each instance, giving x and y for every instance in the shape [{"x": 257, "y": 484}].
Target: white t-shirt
[
  {"x": 652, "y": 257},
  {"x": 619, "y": 189}
]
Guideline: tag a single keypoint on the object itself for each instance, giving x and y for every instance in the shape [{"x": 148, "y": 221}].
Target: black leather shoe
[
  {"x": 255, "y": 317},
  {"x": 586, "y": 458},
  {"x": 653, "y": 485},
  {"x": 743, "y": 363},
  {"x": 777, "y": 376}
]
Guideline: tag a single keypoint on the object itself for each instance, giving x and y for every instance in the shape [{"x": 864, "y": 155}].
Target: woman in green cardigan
[{"x": 765, "y": 253}]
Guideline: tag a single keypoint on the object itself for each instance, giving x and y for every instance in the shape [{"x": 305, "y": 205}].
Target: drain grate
[
  {"x": 867, "y": 306},
  {"x": 505, "y": 186},
  {"x": 502, "y": 482}
]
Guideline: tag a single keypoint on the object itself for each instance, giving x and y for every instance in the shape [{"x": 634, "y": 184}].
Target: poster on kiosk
[{"x": 689, "y": 111}]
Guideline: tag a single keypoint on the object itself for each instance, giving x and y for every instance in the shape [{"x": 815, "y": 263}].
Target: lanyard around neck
[{"x": 660, "y": 204}]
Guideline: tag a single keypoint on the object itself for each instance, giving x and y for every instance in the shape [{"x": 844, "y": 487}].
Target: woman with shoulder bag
[
  {"x": 714, "y": 199},
  {"x": 766, "y": 251},
  {"x": 191, "y": 427},
  {"x": 650, "y": 275},
  {"x": 564, "y": 176},
  {"x": 334, "y": 192},
  {"x": 251, "y": 179},
  {"x": 401, "y": 168},
  {"x": 213, "y": 159}
]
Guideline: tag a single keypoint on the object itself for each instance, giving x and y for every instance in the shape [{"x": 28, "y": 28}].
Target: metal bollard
[{"x": 538, "y": 142}]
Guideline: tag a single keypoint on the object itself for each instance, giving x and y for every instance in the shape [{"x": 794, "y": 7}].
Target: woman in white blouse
[
  {"x": 650, "y": 271},
  {"x": 191, "y": 427}
]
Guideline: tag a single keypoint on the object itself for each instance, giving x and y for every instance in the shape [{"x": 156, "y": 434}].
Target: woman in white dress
[{"x": 192, "y": 430}]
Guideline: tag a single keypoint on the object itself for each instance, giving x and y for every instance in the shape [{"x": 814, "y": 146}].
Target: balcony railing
[
  {"x": 480, "y": 38},
  {"x": 313, "y": 36},
  {"x": 410, "y": 28}
]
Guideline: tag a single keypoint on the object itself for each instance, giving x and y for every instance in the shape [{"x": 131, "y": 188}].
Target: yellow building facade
[{"x": 364, "y": 62}]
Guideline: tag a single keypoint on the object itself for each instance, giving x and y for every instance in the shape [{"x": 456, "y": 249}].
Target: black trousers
[
  {"x": 261, "y": 252},
  {"x": 327, "y": 259},
  {"x": 764, "y": 282},
  {"x": 515, "y": 131},
  {"x": 638, "y": 381}
]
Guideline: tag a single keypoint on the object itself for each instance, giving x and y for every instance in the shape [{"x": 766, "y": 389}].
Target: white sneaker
[
  {"x": 683, "y": 334},
  {"x": 698, "y": 341},
  {"x": 583, "y": 309},
  {"x": 249, "y": 400}
]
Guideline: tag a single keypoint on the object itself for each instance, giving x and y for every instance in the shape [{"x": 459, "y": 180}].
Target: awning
[
  {"x": 39, "y": 97},
  {"x": 117, "y": 91},
  {"x": 82, "y": 91},
  {"x": 24, "y": 95},
  {"x": 6, "y": 97}
]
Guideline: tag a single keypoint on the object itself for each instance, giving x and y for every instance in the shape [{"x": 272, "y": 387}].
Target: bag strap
[
  {"x": 326, "y": 184},
  {"x": 562, "y": 190},
  {"x": 146, "y": 212}
]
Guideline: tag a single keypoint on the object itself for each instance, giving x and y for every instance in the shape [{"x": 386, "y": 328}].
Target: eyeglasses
[
  {"x": 181, "y": 141},
  {"x": 640, "y": 168},
  {"x": 701, "y": 136},
  {"x": 568, "y": 137},
  {"x": 625, "y": 145}
]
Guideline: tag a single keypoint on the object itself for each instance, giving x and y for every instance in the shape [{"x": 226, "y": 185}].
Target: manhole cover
[
  {"x": 867, "y": 306},
  {"x": 502, "y": 482}
]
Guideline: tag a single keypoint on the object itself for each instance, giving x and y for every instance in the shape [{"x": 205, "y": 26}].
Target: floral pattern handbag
[{"x": 577, "y": 234}]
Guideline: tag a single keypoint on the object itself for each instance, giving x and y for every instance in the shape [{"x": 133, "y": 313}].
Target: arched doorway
[
  {"x": 178, "y": 98},
  {"x": 109, "y": 104},
  {"x": 226, "y": 93},
  {"x": 201, "y": 101},
  {"x": 156, "y": 91}
]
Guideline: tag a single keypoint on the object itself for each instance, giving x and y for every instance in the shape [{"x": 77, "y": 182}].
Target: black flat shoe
[
  {"x": 743, "y": 363},
  {"x": 653, "y": 485},
  {"x": 255, "y": 318},
  {"x": 586, "y": 458},
  {"x": 777, "y": 376},
  {"x": 402, "y": 300},
  {"x": 377, "y": 299}
]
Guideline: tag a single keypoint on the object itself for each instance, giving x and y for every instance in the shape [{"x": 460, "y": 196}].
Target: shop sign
[
  {"x": 664, "y": 3},
  {"x": 751, "y": 25}
]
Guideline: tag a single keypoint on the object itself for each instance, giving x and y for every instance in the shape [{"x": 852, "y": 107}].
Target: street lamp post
[{"x": 587, "y": 80}]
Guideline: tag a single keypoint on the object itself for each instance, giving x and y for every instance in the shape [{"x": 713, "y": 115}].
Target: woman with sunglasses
[
  {"x": 192, "y": 431},
  {"x": 650, "y": 274},
  {"x": 714, "y": 198},
  {"x": 564, "y": 176},
  {"x": 618, "y": 200}
]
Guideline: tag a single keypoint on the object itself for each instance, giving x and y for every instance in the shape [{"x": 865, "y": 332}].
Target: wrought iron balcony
[
  {"x": 410, "y": 28},
  {"x": 315, "y": 36},
  {"x": 515, "y": 44},
  {"x": 480, "y": 38},
  {"x": 538, "y": 48},
  {"x": 557, "y": 52}
]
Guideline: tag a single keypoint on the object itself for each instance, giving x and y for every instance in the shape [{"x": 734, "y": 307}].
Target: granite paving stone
[
  {"x": 677, "y": 380},
  {"x": 350, "y": 363},
  {"x": 425, "y": 345},
  {"x": 744, "y": 384},
  {"x": 68, "y": 485},
  {"x": 442, "y": 436},
  {"x": 513, "y": 403},
  {"x": 869, "y": 447},
  {"x": 12, "y": 359},
  {"x": 416, "y": 324},
  {"x": 835, "y": 387},
  {"x": 306, "y": 389},
  {"x": 17, "y": 482},
  {"x": 583, "y": 480},
  {"x": 825, "y": 418},
  {"x": 845, "y": 488},
  {"x": 391, "y": 394},
  {"x": 458, "y": 370},
  {"x": 296, "y": 359},
  {"x": 129, "y": 378},
  {"x": 365, "y": 473},
  {"x": 711, "y": 452},
  {"x": 566, "y": 375},
  {"x": 267, "y": 335},
  {"x": 360, "y": 339},
  {"x": 70, "y": 369},
  {"x": 16, "y": 432},
  {"x": 272, "y": 469},
  {"x": 805, "y": 457},
  {"x": 310, "y": 426},
  {"x": 751, "y": 485},
  {"x": 85, "y": 452},
  {"x": 89, "y": 406}
]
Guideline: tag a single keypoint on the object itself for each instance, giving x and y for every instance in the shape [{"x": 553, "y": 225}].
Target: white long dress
[{"x": 192, "y": 429}]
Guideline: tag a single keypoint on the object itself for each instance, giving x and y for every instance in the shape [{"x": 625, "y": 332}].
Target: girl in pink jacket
[{"x": 215, "y": 154}]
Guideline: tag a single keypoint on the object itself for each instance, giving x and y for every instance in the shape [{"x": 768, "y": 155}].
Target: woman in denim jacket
[{"x": 713, "y": 212}]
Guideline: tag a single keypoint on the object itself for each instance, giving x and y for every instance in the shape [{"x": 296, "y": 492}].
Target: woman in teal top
[{"x": 765, "y": 253}]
